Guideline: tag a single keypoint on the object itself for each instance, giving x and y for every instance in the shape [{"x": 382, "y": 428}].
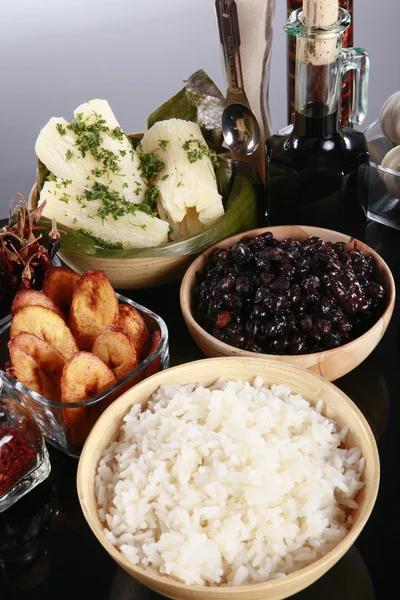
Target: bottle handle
[{"x": 357, "y": 60}]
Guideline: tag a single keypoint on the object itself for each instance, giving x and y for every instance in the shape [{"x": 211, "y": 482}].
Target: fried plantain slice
[
  {"x": 114, "y": 347},
  {"x": 58, "y": 285},
  {"x": 94, "y": 307},
  {"x": 132, "y": 321},
  {"x": 37, "y": 364},
  {"x": 33, "y": 298},
  {"x": 47, "y": 325},
  {"x": 84, "y": 376}
]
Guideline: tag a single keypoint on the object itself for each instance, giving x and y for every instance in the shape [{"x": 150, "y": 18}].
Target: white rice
[{"x": 227, "y": 485}]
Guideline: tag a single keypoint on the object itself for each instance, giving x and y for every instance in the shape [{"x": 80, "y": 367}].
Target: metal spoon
[{"x": 239, "y": 125}]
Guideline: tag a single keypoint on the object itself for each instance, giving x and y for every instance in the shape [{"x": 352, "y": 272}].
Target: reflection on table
[{"x": 24, "y": 529}]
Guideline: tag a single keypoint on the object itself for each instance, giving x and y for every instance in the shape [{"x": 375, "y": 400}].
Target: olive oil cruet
[{"x": 314, "y": 169}]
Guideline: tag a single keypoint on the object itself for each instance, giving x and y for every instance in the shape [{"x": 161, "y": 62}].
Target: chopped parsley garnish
[
  {"x": 152, "y": 194},
  {"x": 143, "y": 226},
  {"x": 122, "y": 152},
  {"x": 117, "y": 133},
  {"x": 113, "y": 204},
  {"x": 61, "y": 129},
  {"x": 125, "y": 185},
  {"x": 163, "y": 144},
  {"x": 68, "y": 154},
  {"x": 164, "y": 177},
  {"x": 180, "y": 184},
  {"x": 66, "y": 182},
  {"x": 65, "y": 198},
  {"x": 195, "y": 151},
  {"x": 75, "y": 221},
  {"x": 51, "y": 177},
  {"x": 98, "y": 172},
  {"x": 89, "y": 139},
  {"x": 150, "y": 165}
]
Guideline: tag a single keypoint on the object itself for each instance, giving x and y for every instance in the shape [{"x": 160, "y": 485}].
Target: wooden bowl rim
[
  {"x": 306, "y": 575},
  {"x": 185, "y": 290},
  {"x": 175, "y": 257}
]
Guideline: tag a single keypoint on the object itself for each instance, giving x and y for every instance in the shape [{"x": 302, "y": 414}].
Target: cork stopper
[
  {"x": 320, "y": 13},
  {"x": 323, "y": 49}
]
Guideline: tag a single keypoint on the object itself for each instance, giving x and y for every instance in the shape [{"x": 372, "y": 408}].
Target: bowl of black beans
[{"x": 308, "y": 296}]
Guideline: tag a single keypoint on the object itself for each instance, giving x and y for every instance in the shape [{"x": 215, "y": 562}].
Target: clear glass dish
[
  {"x": 379, "y": 182},
  {"x": 52, "y": 417},
  {"x": 24, "y": 460}
]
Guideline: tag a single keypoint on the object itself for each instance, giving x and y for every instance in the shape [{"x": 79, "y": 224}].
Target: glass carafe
[
  {"x": 347, "y": 84},
  {"x": 313, "y": 170}
]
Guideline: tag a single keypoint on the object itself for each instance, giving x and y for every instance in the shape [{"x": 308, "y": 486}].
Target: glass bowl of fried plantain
[{"x": 71, "y": 349}]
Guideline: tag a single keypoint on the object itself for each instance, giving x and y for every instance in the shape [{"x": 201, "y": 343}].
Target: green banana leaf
[
  {"x": 42, "y": 174},
  {"x": 239, "y": 185},
  {"x": 199, "y": 101}
]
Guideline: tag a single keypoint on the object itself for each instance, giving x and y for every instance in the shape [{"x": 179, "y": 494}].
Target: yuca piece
[
  {"x": 114, "y": 347},
  {"x": 47, "y": 325},
  {"x": 132, "y": 321},
  {"x": 84, "y": 376},
  {"x": 33, "y": 298},
  {"x": 58, "y": 285},
  {"x": 37, "y": 364},
  {"x": 94, "y": 307}
]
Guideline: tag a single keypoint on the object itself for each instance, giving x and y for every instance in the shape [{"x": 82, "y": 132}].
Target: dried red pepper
[
  {"x": 17, "y": 457},
  {"x": 23, "y": 259}
]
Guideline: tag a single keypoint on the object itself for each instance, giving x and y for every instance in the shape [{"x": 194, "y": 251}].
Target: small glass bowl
[
  {"x": 17, "y": 425},
  {"x": 53, "y": 417},
  {"x": 383, "y": 206}
]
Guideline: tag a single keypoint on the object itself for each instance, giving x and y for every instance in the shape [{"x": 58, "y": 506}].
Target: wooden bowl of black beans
[{"x": 309, "y": 296}]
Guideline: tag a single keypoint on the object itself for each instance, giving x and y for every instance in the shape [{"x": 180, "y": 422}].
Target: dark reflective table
[{"x": 47, "y": 551}]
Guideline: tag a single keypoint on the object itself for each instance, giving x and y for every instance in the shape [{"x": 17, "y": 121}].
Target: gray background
[{"x": 56, "y": 54}]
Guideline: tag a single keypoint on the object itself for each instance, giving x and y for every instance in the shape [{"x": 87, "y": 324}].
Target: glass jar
[{"x": 24, "y": 460}]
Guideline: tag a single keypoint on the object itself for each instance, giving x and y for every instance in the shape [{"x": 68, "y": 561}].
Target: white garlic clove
[
  {"x": 390, "y": 118},
  {"x": 392, "y": 161}
]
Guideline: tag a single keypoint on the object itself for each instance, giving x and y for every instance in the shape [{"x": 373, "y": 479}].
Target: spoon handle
[{"x": 228, "y": 25}]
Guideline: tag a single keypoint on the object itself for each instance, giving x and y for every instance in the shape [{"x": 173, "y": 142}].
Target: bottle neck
[{"x": 318, "y": 87}]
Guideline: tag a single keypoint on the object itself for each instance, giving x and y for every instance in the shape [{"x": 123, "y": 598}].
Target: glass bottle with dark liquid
[{"x": 313, "y": 171}]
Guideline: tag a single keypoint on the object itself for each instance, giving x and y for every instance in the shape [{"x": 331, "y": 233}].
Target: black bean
[{"x": 241, "y": 253}]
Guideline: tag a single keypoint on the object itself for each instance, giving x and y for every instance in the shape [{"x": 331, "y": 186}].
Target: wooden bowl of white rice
[{"x": 229, "y": 477}]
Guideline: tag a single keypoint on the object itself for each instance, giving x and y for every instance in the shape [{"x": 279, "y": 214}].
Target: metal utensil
[{"x": 240, "y": 127}]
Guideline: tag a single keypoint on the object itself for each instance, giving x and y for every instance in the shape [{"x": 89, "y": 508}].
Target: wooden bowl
[
  {"x": 311, "y": 386},
  {"x": 331, "y": 364},
  {"x": 131, "y": 273}
]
